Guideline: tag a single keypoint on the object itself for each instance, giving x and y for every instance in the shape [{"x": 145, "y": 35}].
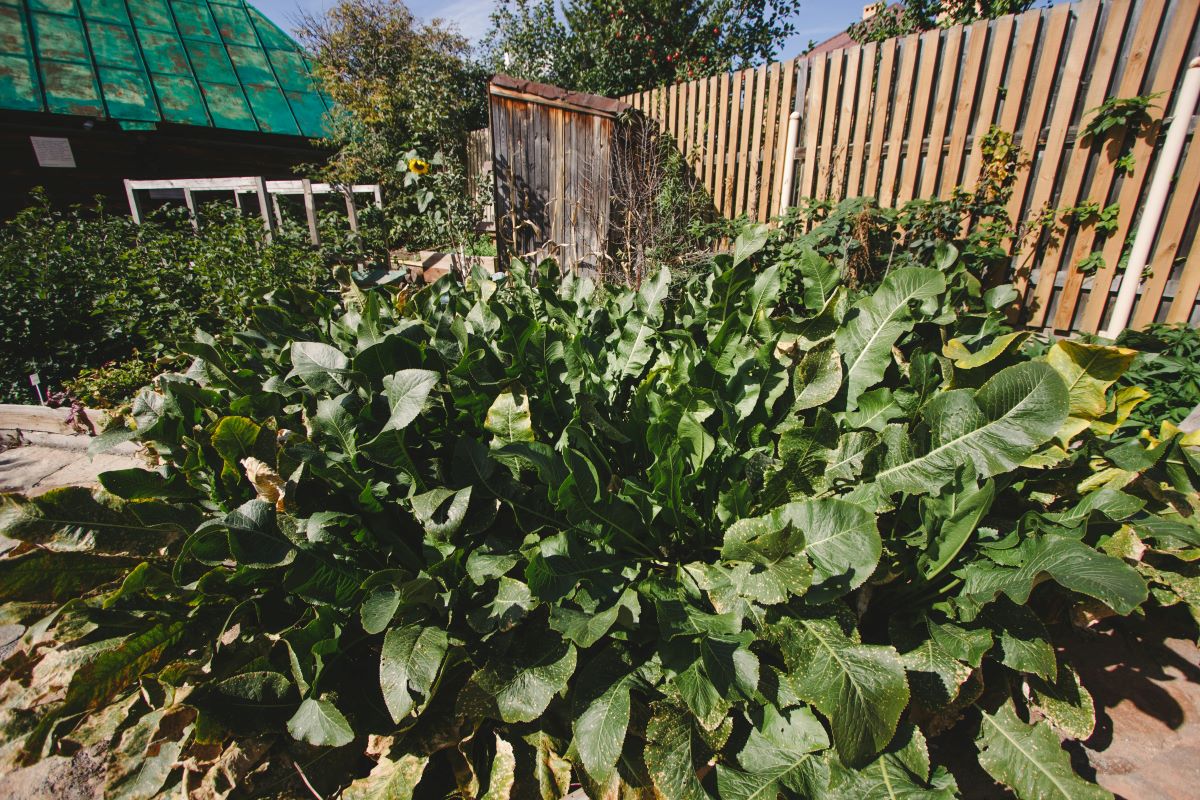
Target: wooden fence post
[
  {"x": 310, "y": 212},
  {"x": 135, "y": 209}
]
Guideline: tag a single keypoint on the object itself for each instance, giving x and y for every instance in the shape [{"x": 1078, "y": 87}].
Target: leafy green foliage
[
  {"x": 1119, "y": 113},
  {"x": 615, "y": 47},
  {"x": 85, "y": 287},
  {"x": 1168, "y": 368},
  {"x": 702, "y": 538}
]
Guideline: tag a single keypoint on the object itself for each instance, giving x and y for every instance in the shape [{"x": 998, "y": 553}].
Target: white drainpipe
[
  {"x": 1156, "y": 200},
  {"x": 789, "y": 163}
]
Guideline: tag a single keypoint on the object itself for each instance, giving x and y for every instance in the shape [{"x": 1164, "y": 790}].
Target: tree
[
  {"x": 914, "y": 16},
  {"x": 615, "y": 47},
  {"x": 399, "y": 85},
  {"x": 527, "y": 40}
]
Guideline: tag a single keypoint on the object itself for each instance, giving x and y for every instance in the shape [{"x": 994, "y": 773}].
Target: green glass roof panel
[
  {"x": 105, "y": 10},
  {"x": 55, "y": 6},
  {"x": 195, "y": 21},
  {"x": 164, "y": 53},
  {"x": 71, "y": 89},
  {"x": 14, "y": 38},
  {"x": 216, "y": 63},
  {"x": 269, "y": 32},
  {"x": 310, "y": 113},
  {"x": 128, "y": 95},
  {"x": 251, "y": 64},
  {"x": 18, "y": 84},
  {"x": 228, "y": 106},
  {"x": 289, "y": 68},
  {"x": 234, "y": 25},
  {"x": 151, "y": 14},
  {"x": 60, "y": 38},
  {"x": 180, "y": 99},
  {"x": 271, "y": 109},
  {"x": 113, "y": 46},
  {"x": 210, "y": 61}
]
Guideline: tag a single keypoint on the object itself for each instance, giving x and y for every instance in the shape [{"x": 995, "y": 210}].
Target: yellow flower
[{"x": 418, "y": 165}]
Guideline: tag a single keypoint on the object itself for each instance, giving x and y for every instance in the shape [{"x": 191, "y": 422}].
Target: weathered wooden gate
[{"x": 552, "y": 161}]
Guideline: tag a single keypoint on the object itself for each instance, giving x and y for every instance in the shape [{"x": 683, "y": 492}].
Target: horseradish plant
[{"x": 754, "y": 535}]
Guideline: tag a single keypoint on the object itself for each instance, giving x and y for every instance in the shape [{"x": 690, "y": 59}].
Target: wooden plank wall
[
  {"x": 552, "y": 169},
  {"x": 903, "y": 119},
  {"x": 479, "y": 170}
]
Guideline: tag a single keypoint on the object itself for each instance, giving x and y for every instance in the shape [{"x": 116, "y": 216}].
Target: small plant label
[{"x": 53, "y": 151}]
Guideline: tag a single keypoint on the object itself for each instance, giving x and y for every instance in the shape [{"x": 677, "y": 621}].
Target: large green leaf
[
  {"x": 817, "y": 377},
  {"x": 779, "y": 754},
  {"x": 509, "y": 419},
  {"x": 602, "y": 714},
  {"x": 988, "y": 431},
  {"x": 388, "y": 779},
  {"x": 319, "y": 723},
  {"x": 671, "y": 753},
  {"x": 518, "y": 685},
  {"x": 840, "y": 539},
  {"x": 407, "y": 391},
  {"x": 1069, "y": 562},
  {"x": 409, "y": 663},
  {"x": 878, "y": 320},
  {"x": 322, "y": 367},
  {"x": 1029, "y": 760},
  {"x": 861, "y": 689},
  {"x": 900, "y": 773},
  {"x": 44, "y": 575},
  {"x": 1088, "y": 370}
]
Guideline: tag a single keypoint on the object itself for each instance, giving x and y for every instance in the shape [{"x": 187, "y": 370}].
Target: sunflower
[{"x": 418, "y": 165}]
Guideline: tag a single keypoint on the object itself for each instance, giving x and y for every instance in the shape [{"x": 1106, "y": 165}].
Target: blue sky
[{"x": 818, "y": 19}]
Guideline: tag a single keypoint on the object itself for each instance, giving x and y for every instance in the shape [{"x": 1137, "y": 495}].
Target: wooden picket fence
[{"x": 903, "y": 119}]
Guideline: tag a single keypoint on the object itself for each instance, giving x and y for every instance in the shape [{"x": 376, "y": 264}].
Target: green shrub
[
  {"x": 758, "y": 534},
  {"x": 1168, "y": 368},
  {"x": 112, "y": 384},
  {"x": 84, "y": 287}
]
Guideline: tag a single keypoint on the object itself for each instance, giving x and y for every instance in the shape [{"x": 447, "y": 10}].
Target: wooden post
[
  {"x": 310, "y": 212},
  {"x": 351, "y": 211},
  {"x": 190, "y": 202},
  {"x": 275, "y": 207},
  {"x": 135, "y": 210},
  {"x": 237, "y": 199},
  {"x": 260, "y": 186},
  {"x": 378, "y": 197}
]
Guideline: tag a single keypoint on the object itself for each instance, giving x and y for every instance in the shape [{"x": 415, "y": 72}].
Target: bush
[
  {"x": 762, "y": 534},
  {"x": 112, "y": 383},
  {"x": 84, "y": 287},
  {"x": 1168, "y": 368}
]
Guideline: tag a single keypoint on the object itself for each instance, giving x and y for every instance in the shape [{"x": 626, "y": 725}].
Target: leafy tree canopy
[
  {"x": 614, "y": 47},
  {"x": 402, "y": 84},
  {"x": 913, "y": 16}
]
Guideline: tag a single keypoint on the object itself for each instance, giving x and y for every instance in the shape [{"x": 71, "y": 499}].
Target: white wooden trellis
[{"x": 265, "y": 190}]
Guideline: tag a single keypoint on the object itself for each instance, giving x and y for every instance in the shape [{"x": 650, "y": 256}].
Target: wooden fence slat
[
  {"x": 743, "y": 155},
  {"x": 1189, "y": 282},
  {"x": 1172, "y": 53},
  {"x": 700, "y": 135},
  {"x": 1001, "y": 43},
  {"x": 951, "y": 49},
  {"x": 880, "y": 117},
  {"x": 930, "y": 44},
  {"x": 977, "y": 36},
  {"x": 710, "y": 134},
  {"x": 786, "y": 104},
  {"x": 1076, "y": 171},
  {"x": 826, "y": 148},
  {"x": 900, "y": 108},
  {"x": 858, "y": 139},
  {"x": 1175, "y": 223},
  {"x": 722, "y": 157},
  {"x": 731, "y": 162},
  {"x": 812, "y": 124},
  {"x": 1041, "y": 187},
  {"x": 1045, "y": 73},
  {"x": 755, "y": 152},
  {"x": 768, "y": 148},
  {"x": 1133, "y": 77},
  {"x": 837, "y": 187}
]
